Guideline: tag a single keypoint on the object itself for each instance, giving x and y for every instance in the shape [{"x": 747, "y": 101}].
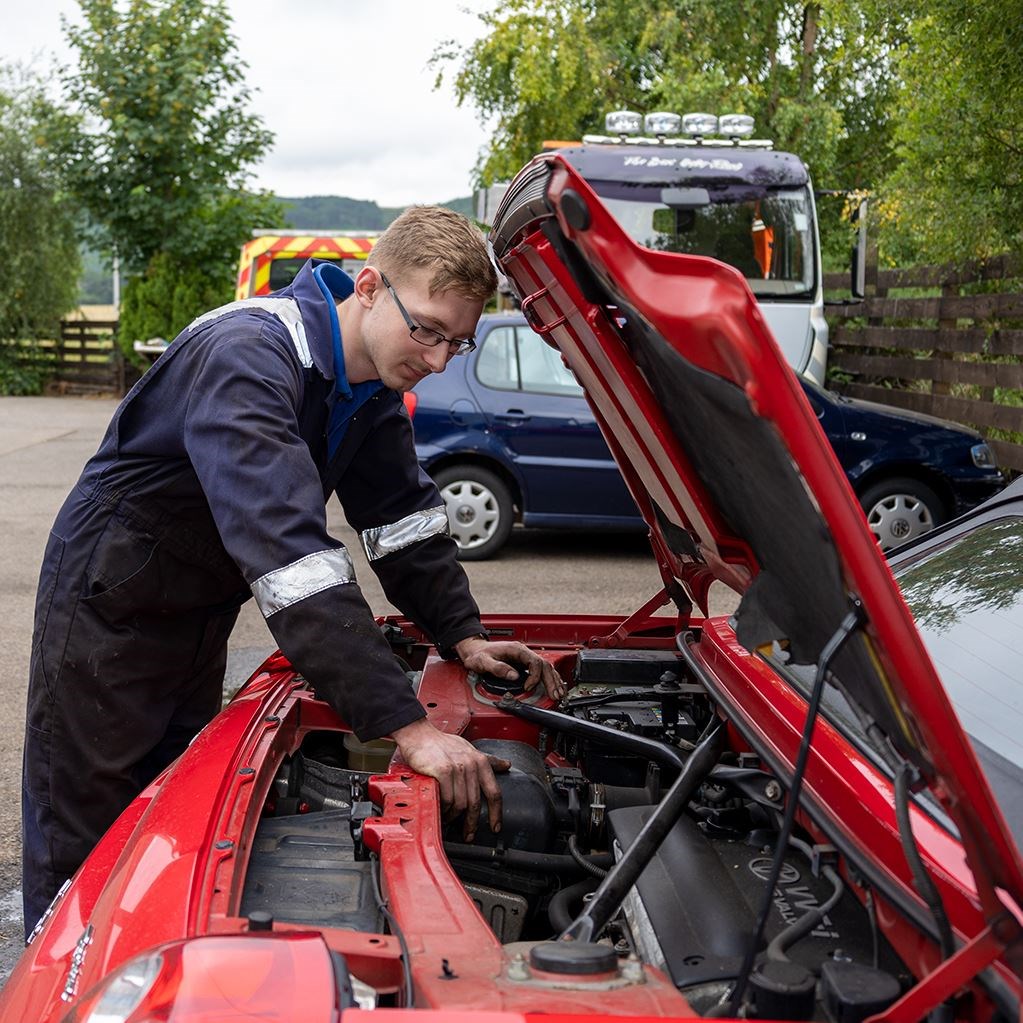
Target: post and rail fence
[
  {"x": 941, "y": 340},
  {"x": 83, "y": 359}
]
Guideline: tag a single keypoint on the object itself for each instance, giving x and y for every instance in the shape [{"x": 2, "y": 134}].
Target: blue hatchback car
[{"x": 508, "y": 436}]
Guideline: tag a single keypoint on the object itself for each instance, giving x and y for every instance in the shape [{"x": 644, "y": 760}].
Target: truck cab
[{"x": 696, "y": 184}]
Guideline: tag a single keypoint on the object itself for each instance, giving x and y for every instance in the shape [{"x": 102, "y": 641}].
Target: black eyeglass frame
[{"x": 460, "y": 347}]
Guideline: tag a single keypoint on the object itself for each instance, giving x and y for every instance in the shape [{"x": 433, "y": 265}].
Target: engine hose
[
  {"x": 521, "y": 859},
  {"x": 800, "y": 928},
  {"x": 613, "y": 888},
  {"x": 562, "y": 907},
  {"x": 580, "y": 857},
  {"x": 660, "y": 753}
]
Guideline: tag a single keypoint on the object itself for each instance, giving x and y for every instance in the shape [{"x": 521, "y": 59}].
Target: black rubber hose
[
  {"x": 580, "y": 857},
  {"x": 562, "y": 908},
  {"x": 520, "y": 859},
  {"x": 808, "y": 921},
  {"x": 924, "y": 885},
  {"x": 650, "y": 749},
  {"x": 625, "y": 873}
]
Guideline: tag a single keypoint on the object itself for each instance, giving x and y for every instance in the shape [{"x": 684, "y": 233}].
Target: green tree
[
  {"x": 957, "y": 189},
  {"x": 166, "y": 144},
  {"x": 818, "y": 78},
  {"x": 37, "y": 232}
]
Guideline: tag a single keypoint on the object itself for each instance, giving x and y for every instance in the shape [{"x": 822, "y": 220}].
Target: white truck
[{"x": 699, "y": 184}]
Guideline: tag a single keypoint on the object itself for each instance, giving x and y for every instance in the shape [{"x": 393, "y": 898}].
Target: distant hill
[
  {"x": 308, "y": 213},
  {"x": 315, "y": 212}
]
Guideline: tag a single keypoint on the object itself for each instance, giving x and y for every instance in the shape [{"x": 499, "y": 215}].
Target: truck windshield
[{"x": 766, "y": 234}]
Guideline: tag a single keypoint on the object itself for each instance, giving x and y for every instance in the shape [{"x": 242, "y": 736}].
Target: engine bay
[{"x": 589, "y": 782}]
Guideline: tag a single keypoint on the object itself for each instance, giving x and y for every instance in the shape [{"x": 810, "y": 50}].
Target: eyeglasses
[{"x": 424, "y": 335}]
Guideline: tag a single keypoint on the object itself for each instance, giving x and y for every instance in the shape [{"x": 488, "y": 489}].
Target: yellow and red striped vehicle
[{"x": 271, "y": 258}]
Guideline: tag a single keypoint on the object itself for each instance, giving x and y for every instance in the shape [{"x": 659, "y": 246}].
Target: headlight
[
  {"x": 983, "y": 456},
  {"x": 736, "y": 125}
]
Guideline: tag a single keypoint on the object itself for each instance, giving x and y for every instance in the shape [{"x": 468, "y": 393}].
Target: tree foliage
[
  {"x": 920, "y": 104},
  {"x": 37, "y": 233},
  {"x": 957, "y": 189},
  {"x": 553, "y": 68},
  {"x": 165, "y": 146}
]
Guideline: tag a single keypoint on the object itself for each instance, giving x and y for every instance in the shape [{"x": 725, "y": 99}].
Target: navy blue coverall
[{"x": 208, "y": 487}]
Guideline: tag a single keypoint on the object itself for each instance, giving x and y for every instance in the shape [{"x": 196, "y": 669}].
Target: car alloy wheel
[
  {"x": 479, "y": 510},
  {"x": 899, "y": 510}
]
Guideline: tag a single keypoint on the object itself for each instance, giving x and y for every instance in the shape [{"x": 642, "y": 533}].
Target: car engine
[{"x": 574, "y": 804}]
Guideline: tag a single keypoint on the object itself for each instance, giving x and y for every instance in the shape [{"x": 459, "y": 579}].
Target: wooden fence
[
  {"x": 85, "y": 359},
  {"x": 942, "y": 340},
  {"x": 88, "y": 359}
]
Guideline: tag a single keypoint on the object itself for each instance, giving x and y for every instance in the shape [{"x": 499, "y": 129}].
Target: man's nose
[{"x": 437, "y": 357}]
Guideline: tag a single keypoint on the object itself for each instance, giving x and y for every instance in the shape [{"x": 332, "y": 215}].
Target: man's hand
[
  {"x": 497, "y": 657},
  {"x": 461, "y": 770}
]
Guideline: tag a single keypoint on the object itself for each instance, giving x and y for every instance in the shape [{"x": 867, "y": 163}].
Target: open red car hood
[{"x": 735, "y": 478}]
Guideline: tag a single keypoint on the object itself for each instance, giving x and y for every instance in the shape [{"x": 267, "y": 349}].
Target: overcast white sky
[{"x": 343, "y": 85}]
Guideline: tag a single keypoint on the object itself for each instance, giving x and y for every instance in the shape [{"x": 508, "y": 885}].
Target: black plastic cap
[
  {"x": 783, "y": 990},
  {"x": 580, "y": 957},
  {"x": 851, "y": 992},
  {"x": 576, "y": 212},
  {"x": 261, "y": 920}
]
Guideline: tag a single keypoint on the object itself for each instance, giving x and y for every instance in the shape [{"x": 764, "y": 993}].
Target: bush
[
  {"x": 24, "y": 369},
  {"x": 166, "y": 298}
]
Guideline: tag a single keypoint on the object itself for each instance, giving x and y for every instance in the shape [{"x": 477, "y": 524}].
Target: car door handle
[{"x": 513, "y": 415}]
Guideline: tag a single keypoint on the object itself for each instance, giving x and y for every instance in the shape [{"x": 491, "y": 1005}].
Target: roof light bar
[
  {"x": 623, "y": 122},
  {"x": 735, "y": 126},
  {"x": 662, "y": 122},
  {"x": 700, "y": 124}
]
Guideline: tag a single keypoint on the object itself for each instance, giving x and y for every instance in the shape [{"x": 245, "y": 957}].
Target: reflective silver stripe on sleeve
[
  {"x": 315, "y": 572},
  {"x": 285, "y": 309},
  {"x": 420, "y": 525}
]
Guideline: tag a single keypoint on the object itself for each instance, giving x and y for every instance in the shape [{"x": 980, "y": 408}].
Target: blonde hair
[{"x": 437, "y": 239}]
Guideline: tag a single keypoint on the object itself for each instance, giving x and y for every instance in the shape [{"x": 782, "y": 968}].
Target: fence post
[{"x": 948, "y": 290}]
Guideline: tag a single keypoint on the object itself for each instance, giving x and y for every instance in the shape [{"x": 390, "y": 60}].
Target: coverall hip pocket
[{"x": 124, "y": 577}]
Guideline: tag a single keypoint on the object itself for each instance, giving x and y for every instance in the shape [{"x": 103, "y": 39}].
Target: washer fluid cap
[{"x": 579, "y": 957}]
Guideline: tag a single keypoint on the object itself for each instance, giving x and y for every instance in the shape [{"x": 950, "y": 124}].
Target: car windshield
[
  {"x": 967, "y": 599},
  {"x": 764, "y": 233}
]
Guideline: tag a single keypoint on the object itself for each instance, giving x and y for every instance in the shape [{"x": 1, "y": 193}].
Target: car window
[
  {"x": 516, "y": 359},
  {"x": 541, "y": 369},
  {"x": 497, "y": 363}
]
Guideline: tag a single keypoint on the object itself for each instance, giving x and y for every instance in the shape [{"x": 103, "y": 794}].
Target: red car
[{"x": 775, "y": 815}]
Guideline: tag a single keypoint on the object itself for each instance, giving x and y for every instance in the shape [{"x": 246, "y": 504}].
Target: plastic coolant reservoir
[{"x": 373, "y": 756}]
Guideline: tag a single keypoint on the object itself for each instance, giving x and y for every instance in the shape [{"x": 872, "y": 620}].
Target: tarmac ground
[{"x": 44, "y": 442}]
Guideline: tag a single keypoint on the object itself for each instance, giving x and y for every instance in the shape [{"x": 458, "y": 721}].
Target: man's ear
[{"x": 367, "y": 286}]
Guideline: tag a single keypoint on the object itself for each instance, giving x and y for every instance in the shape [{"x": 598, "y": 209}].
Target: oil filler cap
[
  {"x": 579, "y": 957},
  {"x": 497, "y": 686}
]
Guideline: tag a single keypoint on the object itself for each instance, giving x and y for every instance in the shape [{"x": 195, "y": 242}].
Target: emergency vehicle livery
[{"x": 271, "y": 258}]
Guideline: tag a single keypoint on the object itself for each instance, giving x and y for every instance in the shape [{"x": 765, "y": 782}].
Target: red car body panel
[
  {"x": 170, "y": 873},
  {"x": 705, "y": 311}
]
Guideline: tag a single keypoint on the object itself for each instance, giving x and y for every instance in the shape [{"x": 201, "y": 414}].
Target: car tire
[
  {"x": 479, "y": 507},
  {"x": 900, "y": 509}
]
